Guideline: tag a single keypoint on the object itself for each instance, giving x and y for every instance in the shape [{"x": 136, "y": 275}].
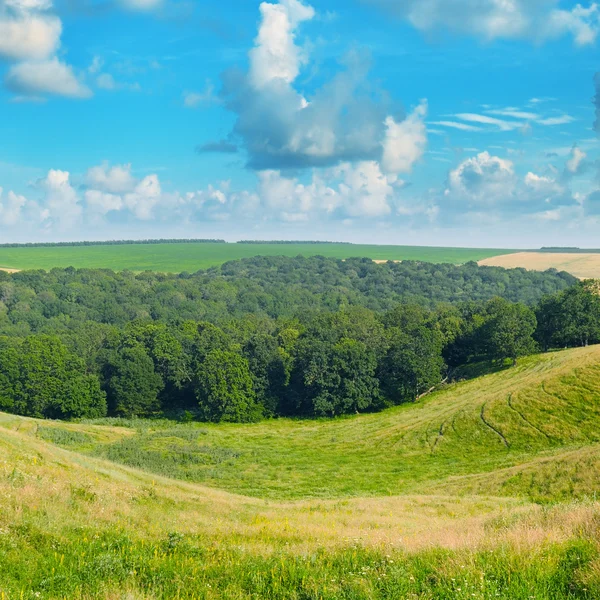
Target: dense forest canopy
[
  {"x": 265, "y": 337},
  {"x": 262, "y": 286}
]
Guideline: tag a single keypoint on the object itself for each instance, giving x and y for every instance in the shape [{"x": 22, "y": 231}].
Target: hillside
[
  {"x": 369, "y": 506},
  {"x": 492, "y": 435}
]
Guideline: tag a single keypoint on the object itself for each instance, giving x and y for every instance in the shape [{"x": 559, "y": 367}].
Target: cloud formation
[
  {"x": 27, "y": 30},
  {"x": 343, "y": 121},
  {"x": 489, "y": 184},
  {"x": 30, "y": 37},
  {"x": 535, "y": 20},
  {"x": 45, "y": 77}
]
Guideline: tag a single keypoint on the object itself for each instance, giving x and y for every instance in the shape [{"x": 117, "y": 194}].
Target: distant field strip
[
  {"x": 582, "y": 265},
  {"x": 176, "y": 258}
]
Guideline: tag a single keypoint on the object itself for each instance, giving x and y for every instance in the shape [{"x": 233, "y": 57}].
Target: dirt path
[{"x": 9, "y": 270}]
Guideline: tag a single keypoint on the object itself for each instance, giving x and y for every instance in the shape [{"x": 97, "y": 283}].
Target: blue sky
[{"x": 434, "y": 122}]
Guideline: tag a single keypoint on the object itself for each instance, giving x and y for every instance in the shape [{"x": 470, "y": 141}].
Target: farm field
[
  {"x": 191, "y": 257},
  {"x": 579, "y": 264},
  {"x": 485, "y": 489}
]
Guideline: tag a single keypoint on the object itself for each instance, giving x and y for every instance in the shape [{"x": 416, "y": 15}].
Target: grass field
[
  {"x": 483, "y": 490},
  {"x": 176, "y": 258},
  {"x": 585, "y": 265}
]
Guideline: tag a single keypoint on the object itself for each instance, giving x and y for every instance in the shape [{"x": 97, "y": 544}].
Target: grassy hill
[
  {"x": 176, "y": 258},
  {"x": 483, "y": 490}
]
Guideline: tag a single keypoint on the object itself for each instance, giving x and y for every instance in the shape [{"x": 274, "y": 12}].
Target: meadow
[
  {"x": 484, "y": 489},
  {"x": 191, "y": 257}
]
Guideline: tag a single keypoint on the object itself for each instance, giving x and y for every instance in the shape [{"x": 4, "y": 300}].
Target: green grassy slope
[
  {"x": 176, "y": 258},
  {"x": 493, "y": 434},
  {"x": 427, "y": 501}
]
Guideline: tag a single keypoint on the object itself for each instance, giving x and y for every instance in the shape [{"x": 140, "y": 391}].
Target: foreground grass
[
  {"x": 77, "y": 527},
  {"x": 176, "y": 258},
  {"x": 531, "y": 431},
  {"x": 484, "y": 490}
]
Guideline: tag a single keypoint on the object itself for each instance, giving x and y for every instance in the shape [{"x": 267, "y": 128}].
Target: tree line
[
  {"x": 108, "y": 243},
  {"x": 319, "y": 360}
]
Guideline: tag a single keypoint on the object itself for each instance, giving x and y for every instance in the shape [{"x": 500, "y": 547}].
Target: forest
[{"x": 266, "y": 337}]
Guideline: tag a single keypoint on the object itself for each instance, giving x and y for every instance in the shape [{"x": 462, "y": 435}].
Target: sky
[{"x": 414, "y": 122}]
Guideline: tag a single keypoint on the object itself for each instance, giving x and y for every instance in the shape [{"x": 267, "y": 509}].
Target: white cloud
[
  {"x": 489, "y": 123},
  {"x": 483, "y": 179},
  {"x": 27, "y": 31},
  {"x": 582, "y": 23},
  {"x": 342, "y": 121},
  {"x": 515, "y": 113},
  {"x": 102, "y": 202},
  {"x": 405, "y": 142},
  {"x": 144, "y": 198},
  {"x": 486, "y": 185},
  {"x": 29, "y": 37},
  {"x": 114, "y": 180},
  {"x": 536, "y": 20},
  {"x": 10, "y": 208},
  {"x": 562, "y": 120},
  {"x": 365, "y": 190},
  {"x": 62, "y": 204},
  {"x": 456, "y": 125},
  {"x": 275, "y": 55},
  {"x": 576, "y": 160},
  {"x": 485, "y": 120},
  {"x": 46, "y": 77},
  {"x": 348, "y": 190}
]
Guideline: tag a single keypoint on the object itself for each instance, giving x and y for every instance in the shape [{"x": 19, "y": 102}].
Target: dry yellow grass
[{"x": 584, "y": 266}]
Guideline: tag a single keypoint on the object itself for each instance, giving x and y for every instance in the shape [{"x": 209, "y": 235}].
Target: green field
[
  {"x": 486, "y": 489},
  {"x": 191, "y": 257}
]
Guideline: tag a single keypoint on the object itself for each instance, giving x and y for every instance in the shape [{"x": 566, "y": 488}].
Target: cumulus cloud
[
  {"x": 30, "y": 37},
  {"x": 61, "y": 204},
  {"x": 27, "y": 31},
  {"x": 405, "y": 142},
  {"x": 10, "y": 208},
  {"x": 114, "y": 180},
  {"x": 348, "y": 190},
  {"x": 145, "y": 196},
  {"x": 486, "y": 183},
  {"x": 483, "y": 179},
  {"x": 343, "y": 121},
  {"x": 536, "y": 20},
  {"x": 46, "y": 77},
  {"x": 275, "y": 55}
]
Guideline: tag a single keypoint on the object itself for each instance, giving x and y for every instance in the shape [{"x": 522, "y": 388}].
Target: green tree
[
  {"x": 413, "y": 363},
  {"x": 509, "y": 330},
  {"x": 224, "y": 389},
  {"x": 48, "y": 381},
  {"x": 132, "y": 384},
  {"x": 331, "y": 379}
]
